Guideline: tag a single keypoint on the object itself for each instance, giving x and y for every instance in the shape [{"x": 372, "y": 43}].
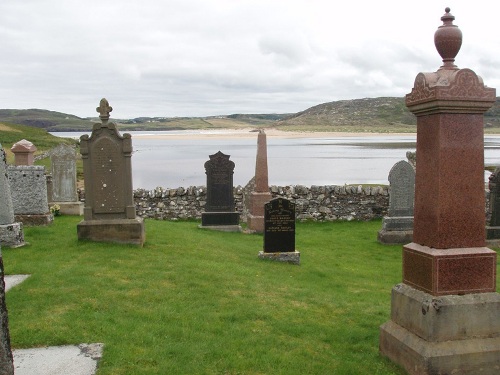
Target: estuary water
[{"x": 171, "y": 159}]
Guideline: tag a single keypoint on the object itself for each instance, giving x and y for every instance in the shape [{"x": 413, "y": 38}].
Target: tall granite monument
[
  {"x": 64, "y": 191},
  {"x": 397, "y": 226},
  {"x": 6, "y": 360},
  {"x": 109, "y": 212},
  {"x": 445, "y": 316},
  {"x": 11, "y": 232},
  {"x": 220, "y": 211},
  {"x": 261, "y": 195},
  {"x": 279, "y": 232}
]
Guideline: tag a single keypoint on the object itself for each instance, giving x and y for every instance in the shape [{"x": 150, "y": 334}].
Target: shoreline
[{"x": 271, "y": 133}]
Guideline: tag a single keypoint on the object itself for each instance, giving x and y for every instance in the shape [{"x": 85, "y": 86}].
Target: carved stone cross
[{"x": 104, "y": 109}]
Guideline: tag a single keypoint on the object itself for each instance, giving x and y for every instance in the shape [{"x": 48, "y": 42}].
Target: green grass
[{"x": 200, "y": 302}]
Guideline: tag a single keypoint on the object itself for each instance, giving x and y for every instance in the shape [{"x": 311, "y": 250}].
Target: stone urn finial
[{"x": 448, "y": 40}]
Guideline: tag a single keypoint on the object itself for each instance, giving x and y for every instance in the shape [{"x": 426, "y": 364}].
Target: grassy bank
[{"x": 201, "y": 302}]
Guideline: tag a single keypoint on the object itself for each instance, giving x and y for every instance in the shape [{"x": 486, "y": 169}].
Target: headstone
[
  {"x": 109, "y": 213},
  {"x": 445, "y": 315},
  {"x": 24, "y": 152},
  {"x": 493, "y": 227},
  {"x": 28, "y": 187},
  {"x": 64, "y": 189},
  {"x": 220, "y": 208},
  {"x": 6, "y": 361},
  {"x": 279, "y": 231},
  {"x": 397, "y": 227},
  {"x": 11, "y": 232},
  {"x": 261, "y": 195}
]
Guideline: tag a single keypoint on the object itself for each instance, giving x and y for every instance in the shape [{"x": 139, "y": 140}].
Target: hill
[
  {"x": 366, "y": 115},
  {"x": 386, "y": 114}
]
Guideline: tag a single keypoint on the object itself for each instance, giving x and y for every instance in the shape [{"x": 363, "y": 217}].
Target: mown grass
[{"x": 200, "y": 302}]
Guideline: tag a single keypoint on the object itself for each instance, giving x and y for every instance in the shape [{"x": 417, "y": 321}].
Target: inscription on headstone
[
  {"x": 108, "y": 169},
  {"x": 279, "y": 226}
]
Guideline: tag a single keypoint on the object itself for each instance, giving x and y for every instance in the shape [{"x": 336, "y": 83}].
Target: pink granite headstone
[{"x": 24, "y": 152}]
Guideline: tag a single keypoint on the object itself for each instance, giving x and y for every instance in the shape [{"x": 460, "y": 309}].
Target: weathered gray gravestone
[
  {"x": 109, "y": 213},
  {"x": 28, "y": 186},
  {"x": 64, "y": 190},
  {"x": 279, "y": 231},
  {"x": 220, "y": 209},
  {"x": 11, "y": 233},
  {"x": 6, "y": 361},
  {"x": 493, "y": 227},
  {"x": 397, "y": 227}
]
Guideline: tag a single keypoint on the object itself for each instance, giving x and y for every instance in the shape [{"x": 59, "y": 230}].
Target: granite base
[
  {"x": 288, "y": 257},
  {"x": 443, "y": 335},
  {"x": 12, "y": 235},
  {"x": 222, "y": 228},
  {"x": 449, "y": 271},
  {"x": 34, "y": 220},
  {"x": 126, "y": 231},
  {"x": 220, "y": 218},
  {"x": 70, "y": 208},
  {"x": 393, "y": 237},
  {"x": 255, "y": 224}
]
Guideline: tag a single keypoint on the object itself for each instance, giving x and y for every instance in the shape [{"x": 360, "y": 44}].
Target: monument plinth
[
  {"x": 261, "y": 195},
  {"x": 109, "y": 212},
  {"x": 445, "y": 316}
]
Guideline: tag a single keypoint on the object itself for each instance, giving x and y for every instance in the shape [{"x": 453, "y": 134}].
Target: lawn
[{"x": 194, "y": 301}]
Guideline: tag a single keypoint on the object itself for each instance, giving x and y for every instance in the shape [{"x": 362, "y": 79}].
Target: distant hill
[
  {"x": 387, "y": 114},
  {"x": 364, "y": 115}
]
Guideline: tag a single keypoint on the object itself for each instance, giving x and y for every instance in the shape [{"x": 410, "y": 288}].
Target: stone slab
[
  {"x": 449, "y": 271},
  {"x": 12, "y": 280},
  {"x": 126, "y": 231},
  {"x": 32, "y": 220},
  {"x": 445, "y": 318},
  {"x": 287, "y": 257},
  {"x": 12, "y": 235},
  {"x": 58, "y": 360},
  {"x": 420, "y": 357},
  {"x": 220, "y": 218},
  {"x": 222, "y": 228},
  {"x": 70, "y": 208},
  {"x": 393, "y": 237},
  {"x": 400, "y": 223}
]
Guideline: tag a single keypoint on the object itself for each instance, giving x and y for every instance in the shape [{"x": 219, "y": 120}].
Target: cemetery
[{"x": 224, "y": 279}]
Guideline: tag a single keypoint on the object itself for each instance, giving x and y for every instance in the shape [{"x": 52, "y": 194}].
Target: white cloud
[{"x": 206, "y": 57}]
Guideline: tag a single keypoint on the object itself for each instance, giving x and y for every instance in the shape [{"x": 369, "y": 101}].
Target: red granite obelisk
[
  {"x": 261, "y": 195},
  {"x": 445, "y": 316}
]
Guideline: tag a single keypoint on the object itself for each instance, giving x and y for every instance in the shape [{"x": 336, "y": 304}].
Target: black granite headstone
[
  {"x": 279, "y": 226},
  {"x": 219, "y": 209},
  {"x": 493, "y": 227}
]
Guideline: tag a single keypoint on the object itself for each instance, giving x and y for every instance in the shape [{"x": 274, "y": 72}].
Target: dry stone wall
[{"x": 318, "y": 203}]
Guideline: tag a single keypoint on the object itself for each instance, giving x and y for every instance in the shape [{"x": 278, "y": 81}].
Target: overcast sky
[{"x": 211, "y": 57}]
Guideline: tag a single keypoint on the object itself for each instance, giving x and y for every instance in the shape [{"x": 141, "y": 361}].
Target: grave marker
[
  {"x": 11, "y": 232},
  {"x": 493, "y": 228},
  {"x": 220, "y": 208},
  {"x": 64, "y": 190},
  {"x": 444, "y": 316},
  {"x": 109, "y": 213},
  {"x": 279, "y": 231},
  {"x": 397, "y": 227}
]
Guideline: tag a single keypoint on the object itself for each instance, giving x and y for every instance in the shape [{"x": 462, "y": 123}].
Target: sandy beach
[{"x": 252, "y": 133}]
